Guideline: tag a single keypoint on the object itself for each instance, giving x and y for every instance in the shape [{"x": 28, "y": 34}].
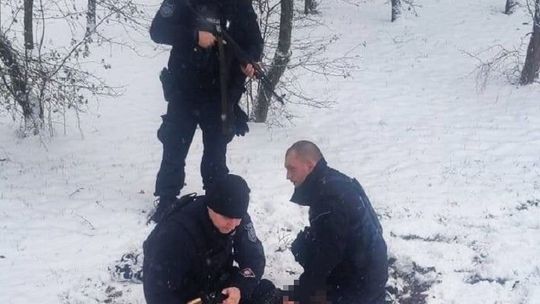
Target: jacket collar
[{"x": 305, "y": 194}]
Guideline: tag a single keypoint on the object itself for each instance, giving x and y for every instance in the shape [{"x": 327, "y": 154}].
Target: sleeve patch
[
  {"x": 167, "y": 8},
  {"x": 247, "y": 273}
]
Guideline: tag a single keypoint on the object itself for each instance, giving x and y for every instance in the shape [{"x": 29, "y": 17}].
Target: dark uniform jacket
[
  {"x": 177, "y": 24},
  {"x": 343, "y": 252},
  {"x": 186, "y": 256}
]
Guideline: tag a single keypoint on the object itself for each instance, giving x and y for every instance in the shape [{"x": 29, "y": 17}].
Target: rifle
[
  {"x": 227, "y": 115},
  {"x": 211, "y": 23},
  {"x": 244, "y": 59},
  {"x": 239, "y": 53}
]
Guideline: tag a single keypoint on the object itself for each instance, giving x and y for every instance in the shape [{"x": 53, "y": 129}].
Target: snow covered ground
[{"x": 452, "y": 168}]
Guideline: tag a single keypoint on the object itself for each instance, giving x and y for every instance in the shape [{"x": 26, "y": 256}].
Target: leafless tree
[
  {"x": 280, "y": 61},
  {"x": 13, "y": 77},
  {"x": 400, "y": 6},
  {"x": 501, "y": 62},
  {"x": 28, "y": 22},
  {"x": 532, "y": 61},
  {"x": 310, "y": 7},
  {"x": 43, "y": 81},
  {"x": 510, "y": 6},
  {"x": 396, "y": 10},
  {"x": 91, "y": 18},
  {"x": 306, "y": 54}
]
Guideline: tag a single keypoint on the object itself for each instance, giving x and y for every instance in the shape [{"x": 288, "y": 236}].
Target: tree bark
[
  {"x": 309, "y": 6},
  {"x": 28, "y": 21},
  {"x": 510, "y": 6},
  {"x": 396, "y": 10},
  {"x": 91, "y": 17},
  {"x": 532, "y": 61},
  {"x": 279, "y": 63},
  {"x": 17, "y": 86}
]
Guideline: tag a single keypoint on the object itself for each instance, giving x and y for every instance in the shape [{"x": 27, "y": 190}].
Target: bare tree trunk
[
  {"x": 32, "y": 106},
  {"x": 91, "y": 17},
  {"x": 280, "y": 61},
  {"x": 28, "y": 21},
  {"x": 532, "y": 61},
  {"x": 510, "y": 6},
  {"x": 396, "y": 10},
  {"x": 310, "y": 6}
]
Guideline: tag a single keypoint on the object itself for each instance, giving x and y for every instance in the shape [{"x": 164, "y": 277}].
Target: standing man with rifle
[{"x": 203, "y": 85}]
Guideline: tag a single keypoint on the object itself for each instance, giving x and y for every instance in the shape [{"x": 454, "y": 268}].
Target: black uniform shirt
[
  {"x": 185, "y": 255},
  {"x": 178, "y": 22},
  {"x": 345, "y": 236}
]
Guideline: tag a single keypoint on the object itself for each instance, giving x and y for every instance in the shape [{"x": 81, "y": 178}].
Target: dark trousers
[
  {"x": 365, "y": 288},
  {"x": 176, "y": 134}
]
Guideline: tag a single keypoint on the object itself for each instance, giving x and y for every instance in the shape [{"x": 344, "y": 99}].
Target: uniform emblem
[
  {"x": 251, "y": 232},
  {"x": 247, "y": 273},
  {"x": 167, "y": 8}
]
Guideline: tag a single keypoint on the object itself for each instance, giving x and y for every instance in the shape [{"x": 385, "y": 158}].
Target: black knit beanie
[{"x": 229, "y": 196}]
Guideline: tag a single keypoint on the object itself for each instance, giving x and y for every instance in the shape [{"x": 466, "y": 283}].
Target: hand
[
  {"x": 206, "y": 39},
  {"x": 248, "y": 70},
  {"x": 241, "y": 119},
  {"x": 233, "y": 295}
]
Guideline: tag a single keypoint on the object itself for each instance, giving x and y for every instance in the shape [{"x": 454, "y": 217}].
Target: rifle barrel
[
  {"x": 241, "y": 54},
  {"x": 260, "y": 73}
]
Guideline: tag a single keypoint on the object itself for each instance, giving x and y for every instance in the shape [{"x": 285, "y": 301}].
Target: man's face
[
  {"x": 224, "y": 224},
  {"x": 297, "y": 168}
]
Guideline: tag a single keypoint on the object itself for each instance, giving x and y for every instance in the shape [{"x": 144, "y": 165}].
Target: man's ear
[{"x": 311, "y": 165}]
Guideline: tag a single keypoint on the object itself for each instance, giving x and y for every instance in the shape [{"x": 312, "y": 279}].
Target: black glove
[
  {"x": 213, "y": 298},
  {"x": 301, "y": 246},
  {"x": 240, "y": 122}
]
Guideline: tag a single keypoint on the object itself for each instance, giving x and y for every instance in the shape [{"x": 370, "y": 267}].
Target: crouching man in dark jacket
[
  {"x": 343, "y": 252},
  {"x": 190, "y": 254}
]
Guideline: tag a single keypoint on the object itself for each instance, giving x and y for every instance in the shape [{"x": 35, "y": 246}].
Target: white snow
[{"x": 452, "y": 169}]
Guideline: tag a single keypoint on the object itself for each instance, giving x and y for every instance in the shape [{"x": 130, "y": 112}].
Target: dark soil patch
[{"x": 408, "y": 283}]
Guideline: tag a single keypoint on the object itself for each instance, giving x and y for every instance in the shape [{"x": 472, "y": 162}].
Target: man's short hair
[{"x": 306, "y": 150}]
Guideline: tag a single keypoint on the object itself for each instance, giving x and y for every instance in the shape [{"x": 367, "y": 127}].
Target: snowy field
[{"x": 452, "y": 168}]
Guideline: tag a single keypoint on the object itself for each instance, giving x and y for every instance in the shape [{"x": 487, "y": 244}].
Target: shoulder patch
[
  {"x": 247, "y": 273},
  {"x": 167, "y": 8},
  {"x": 251, "y": 232}
]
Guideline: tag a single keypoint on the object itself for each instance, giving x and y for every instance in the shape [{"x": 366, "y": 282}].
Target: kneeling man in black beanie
[{"x": 190, "y": 253}]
